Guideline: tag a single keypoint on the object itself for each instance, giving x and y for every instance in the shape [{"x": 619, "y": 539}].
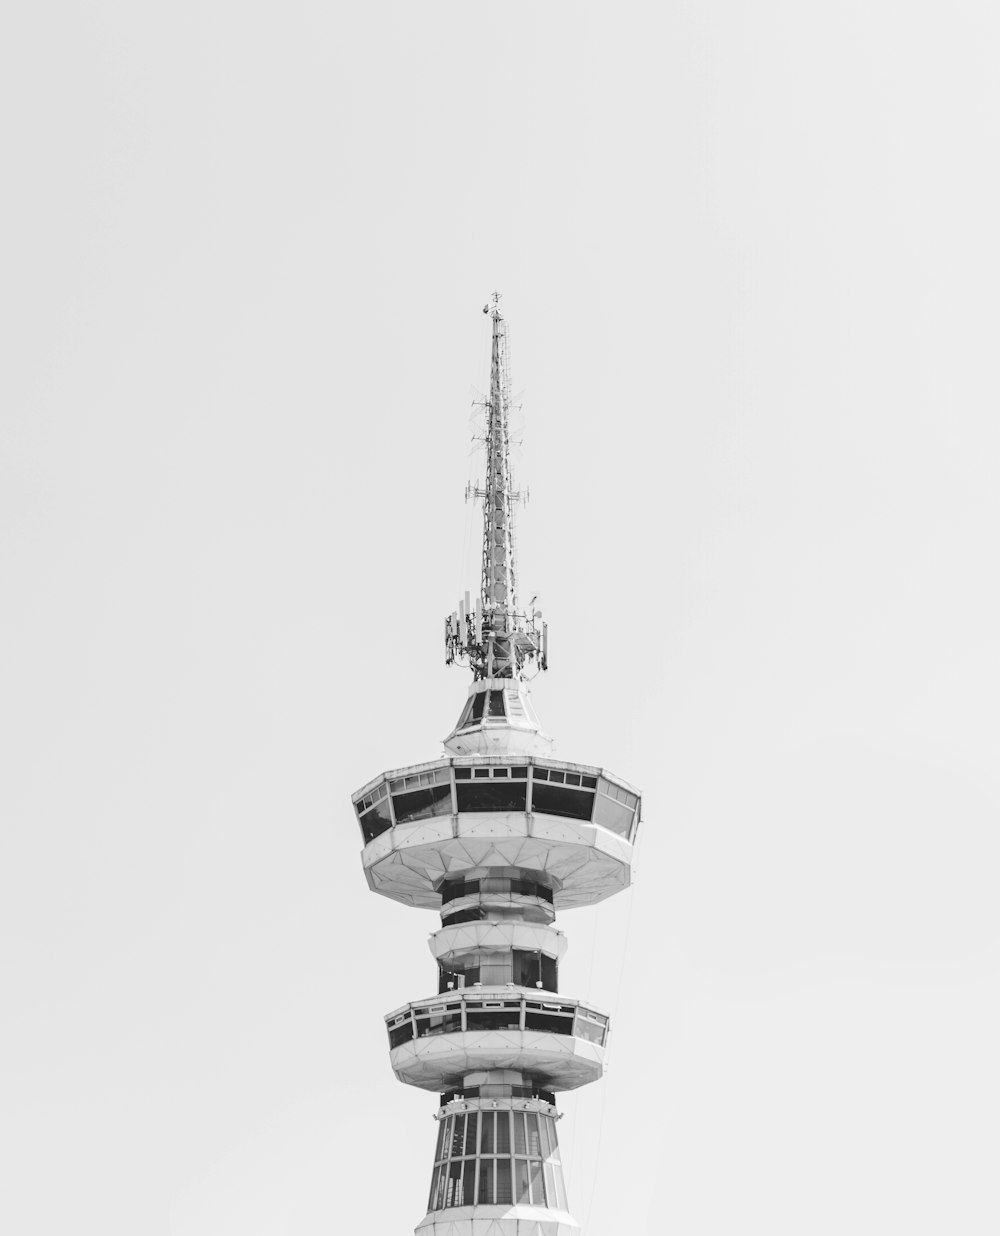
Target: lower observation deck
[
  {"x": 573, "y": 823},
  {"x": 436, "y": 1042}
]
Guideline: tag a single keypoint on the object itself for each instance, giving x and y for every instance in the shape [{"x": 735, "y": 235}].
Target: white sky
[{"x": 750, "y": 259}]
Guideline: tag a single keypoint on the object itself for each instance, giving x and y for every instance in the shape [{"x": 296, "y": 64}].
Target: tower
[{"x": 497, "y": 836}]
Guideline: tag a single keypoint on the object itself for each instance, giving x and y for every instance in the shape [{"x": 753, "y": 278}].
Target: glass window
[
  {"x": 503, "y": 1132},
  {"x": 534, "y": 1141},
  {"x": 439, "y": 1022},
  {"x": 492, "y": 1019},
  {"x": 442, "y": 1180},
  {"x": 614, "y": 816},
  {"x": 549, "y": 1170},
  {"x": 557, "y": 800},
  {"x": 496, "y": 969},
  {"x": 486, "y": 1182},
  {"x": 589, "y": 1030},
  {"x": 401, "y": 1033},
  {"x": 487, "y": 1142},
  {"x": 421, "y": 803},
  {"x": 478, "y": 701},
  {"x": 546, "y": 1135},
  {"x": 550, "y": 1023},
  {"x": 376, "y": 821},
  {"x": 473, "y": 915},
  {"x": 442, "y": 1130},
  {"x": 454, "y": 1183},
  {"x": 451, "y": 890},
  {"x": 522, "y": 1193},
  {"x": 537, "y": 1190},
  {"x": 530, "y": 969},
  {"x": 519, "y": 772},
  {"x": 456, "y": 1148},
  {"x": 520, "y": 1143},
  {"x": 504, "y": 1191},
  {"x": 496, "y": 704},
  {"x": 493, "y": 796},
  {"x": 468, "y": 1194},
  {"x": 463, "y": 774}
]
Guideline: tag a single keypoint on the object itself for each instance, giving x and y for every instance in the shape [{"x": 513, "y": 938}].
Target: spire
[
  {"x": 499, "y": 568},
  {"x": 493, "y": 637}
]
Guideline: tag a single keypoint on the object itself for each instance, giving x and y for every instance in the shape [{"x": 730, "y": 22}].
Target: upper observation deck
[{"x": 572, "y": 825}]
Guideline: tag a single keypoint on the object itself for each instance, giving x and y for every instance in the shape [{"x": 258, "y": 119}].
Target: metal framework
[{"x": 494, "y": 637}]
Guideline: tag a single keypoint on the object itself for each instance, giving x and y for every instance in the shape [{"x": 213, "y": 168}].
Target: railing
[
  {"x": 454, "y": 786},
  {"x": 495, "y": 1009}
]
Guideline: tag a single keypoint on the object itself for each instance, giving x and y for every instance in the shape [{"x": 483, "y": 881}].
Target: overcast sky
[{"x": 750, "y": 260}]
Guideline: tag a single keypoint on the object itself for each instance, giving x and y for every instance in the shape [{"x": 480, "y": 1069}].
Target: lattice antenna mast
[{"x": 494, "y": 637}]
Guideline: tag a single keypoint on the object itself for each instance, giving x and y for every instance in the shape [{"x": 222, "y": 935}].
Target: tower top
[{"x": 494, "y": 637}]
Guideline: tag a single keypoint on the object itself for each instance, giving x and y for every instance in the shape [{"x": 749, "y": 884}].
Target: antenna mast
[{"x": 494, "y": 638}]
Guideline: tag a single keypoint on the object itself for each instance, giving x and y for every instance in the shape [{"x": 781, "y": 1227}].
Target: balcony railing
[
  {"x": 495, "y": 1009},
  {"x": 453, "y": 786}
]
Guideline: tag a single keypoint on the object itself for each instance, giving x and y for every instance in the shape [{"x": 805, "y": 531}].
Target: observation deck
[
  {"x": 572, "y": 823},
  {"x": 436, "y": 1042}
]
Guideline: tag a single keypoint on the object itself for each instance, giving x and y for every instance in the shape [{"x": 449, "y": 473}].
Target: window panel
[
  {"x": 534, "y": 1141},
  {"x": 559, "y": 1190},
  {"x": 589, "y": 1030},
  {"x": 613, "y": 816},
  {"x": 558, "y": 800},
  {"x": 550, "y": 1192},
  {"x": 486, "y": 1182},
  {"x": 495, "y": 971},
  {"x": 546, "y": 1135},
  {"x": 520, "y": 1144},
  {"x": 468, "y": 1184},
  {"x": 522, "y": 1193},
  {"x": 442, "y": 1181},
  {"x": 455, "y": 1150},
  {"x": 454, "y": 1175},
  {"x": 537, "y": 1189},
  {"x": 550, "y": 1023},
  {"x": 504, "y": 1190},
  {"x": 503, "y": 1132},
  {"x": 492, "y": 1019},
  {"x": 487, "y": 1141},
  {"x": 376, "y": 821},
  {"x": 493, "y": 796},
  {"x": 402, "y": 1033},
  {"x": 420, "y": 804}
]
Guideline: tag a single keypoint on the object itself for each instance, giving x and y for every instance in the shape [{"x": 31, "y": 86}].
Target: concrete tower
[{"x": 497, "y": 836}]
